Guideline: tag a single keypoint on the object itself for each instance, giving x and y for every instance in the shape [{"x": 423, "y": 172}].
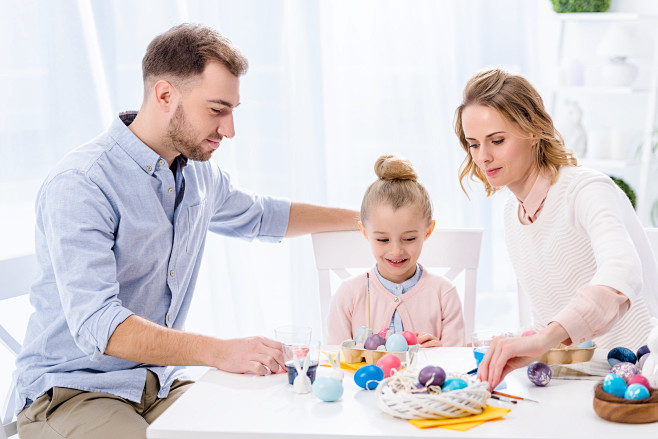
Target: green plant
[
  {"x": 626, "y": 188},
  {"x": 580, "y": 5}
]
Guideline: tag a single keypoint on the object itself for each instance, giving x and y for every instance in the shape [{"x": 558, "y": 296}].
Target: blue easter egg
[
  {"x": 614, "y": 384},
  {"x": 621, "y": 355},
  {"x": 327, "y": 389},
  {"x": 586, "y": 344},
  {"x": 453, "y": 384},
  {"x": 636, "y": 391},
  {"x": 368, "y": 376},
  {"x": 396, "y": 343},
  {"x": 642, "y": 351}
]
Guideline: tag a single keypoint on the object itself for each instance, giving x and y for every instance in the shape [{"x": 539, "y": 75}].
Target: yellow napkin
[{"x": 462, "y": 424}]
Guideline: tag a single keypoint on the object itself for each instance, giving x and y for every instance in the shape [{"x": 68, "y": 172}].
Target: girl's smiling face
[
  {"x": 501, "y": 149},
  {"x": 396, "y": 238}
]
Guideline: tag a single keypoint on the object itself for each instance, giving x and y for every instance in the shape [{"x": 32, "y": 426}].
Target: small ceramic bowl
[
  {"x": 568, "y": 355},
  {"x": 615, "y": 409}
]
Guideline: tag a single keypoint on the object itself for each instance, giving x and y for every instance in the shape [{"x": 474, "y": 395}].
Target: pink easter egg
[
  {"x": 389, "y": 362},
  {"x": 410, "y": 337},
  {"x": 640, "y": 379},
  {"x": 528, "y": 333},
  {"x": 384, "y": 333}
]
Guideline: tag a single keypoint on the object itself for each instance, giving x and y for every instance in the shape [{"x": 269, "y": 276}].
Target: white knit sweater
[{"x": 587, "y": 233}]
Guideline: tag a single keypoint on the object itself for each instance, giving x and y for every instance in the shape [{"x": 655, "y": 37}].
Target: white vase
[{"x": 618, "y": 73}]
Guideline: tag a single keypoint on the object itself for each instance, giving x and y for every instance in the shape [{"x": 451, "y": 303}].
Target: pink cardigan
[{"x": 431, "y": 306}]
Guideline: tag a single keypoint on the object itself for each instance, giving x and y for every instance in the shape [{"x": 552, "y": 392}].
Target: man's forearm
[
  {"x": 142, "y": 341},
  {"x": 309, "y": 218}
]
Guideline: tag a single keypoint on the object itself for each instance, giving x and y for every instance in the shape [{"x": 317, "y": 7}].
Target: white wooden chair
[
  {"x": 455, "y": 250},
  {"x": 16, "y": 275},
  {"x": 525, "y": 318}
]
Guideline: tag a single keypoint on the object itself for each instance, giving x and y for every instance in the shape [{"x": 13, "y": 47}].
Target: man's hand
[{"x": 257, "y": 355}]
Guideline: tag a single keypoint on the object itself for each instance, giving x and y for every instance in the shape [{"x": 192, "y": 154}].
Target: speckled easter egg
[
  {"x": 539, "y": 373},
  {"x": 327, "y": 389},
  {"x": 642, "y": 351},
  {"x": 636, "y": 391},
  {"x": 396, "y": 343},
  {"x": 368, "y": 376},
  {"x": 374, "y": 341},
  {"x": 614, "y": 384},
  {"x": 621, "y": 355},
  {"x": 625, "y": 370},
  {"x": 641, "y": 380}
]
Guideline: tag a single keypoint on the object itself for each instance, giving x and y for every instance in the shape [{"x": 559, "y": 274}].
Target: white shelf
[
  {"x": 602, "y": 16},
  {"x": 602, "y": 90},
  {"x": 607, "y": 163}
]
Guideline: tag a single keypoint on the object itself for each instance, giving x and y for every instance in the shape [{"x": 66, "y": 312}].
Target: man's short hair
[{"x": 184, "y": 50}]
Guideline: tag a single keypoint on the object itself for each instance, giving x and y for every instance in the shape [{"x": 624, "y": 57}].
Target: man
[{"x": 121, "y": 227}]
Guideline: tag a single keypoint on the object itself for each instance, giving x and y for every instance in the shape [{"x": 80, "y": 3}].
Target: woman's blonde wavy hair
[{"x": 518, "y": 101}]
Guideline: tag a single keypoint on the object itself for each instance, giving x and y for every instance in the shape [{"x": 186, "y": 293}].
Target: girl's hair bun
[{"x": 390, "y": 167}]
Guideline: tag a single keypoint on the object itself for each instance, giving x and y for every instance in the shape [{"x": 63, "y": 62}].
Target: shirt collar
[
  {"x": 406, "y": 285},
  {"x": 145, "y": 157},
  {"x": 535, "y": 198}
]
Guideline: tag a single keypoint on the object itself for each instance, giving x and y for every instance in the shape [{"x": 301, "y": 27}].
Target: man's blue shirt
[{"x": 111, "y": 243}]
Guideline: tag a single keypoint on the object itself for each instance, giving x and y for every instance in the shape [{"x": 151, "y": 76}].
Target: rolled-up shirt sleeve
[
  {"x": 79, "y": 223},
  {"x": 244, "y": 215}
]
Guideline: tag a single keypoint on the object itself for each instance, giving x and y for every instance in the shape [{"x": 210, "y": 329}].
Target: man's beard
[{"x": 182, "y": 137}]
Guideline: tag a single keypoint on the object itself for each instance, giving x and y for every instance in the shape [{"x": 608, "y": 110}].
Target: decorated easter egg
[
  {"x": 410, "y": 337},
  {"x": 432, "y": 376},
  {"x": 539, "y": 373},
  {"x": 396, "y": 343},
  {"x": 641, "y": 380},
  {"x": 640, "y": 362},
  {"x": 385, "y": 333},
  {"x": 614, "y": 384},
  {"x": 528, "y": 333},
  {"x": 388, "y": 363},
  {"x": 636, "y": 391},
  {"x": 625, "y": 370},
  {"x": 453, "y": 384},
  {"x": 374, "y": 341},
  {"x": 327, "y": 388},
  {"x": 368, "y": 376},
  {"x": 642, "y": 351},
  {"x": 586, "y": 344},
  {"x": 621, "y": 355}
]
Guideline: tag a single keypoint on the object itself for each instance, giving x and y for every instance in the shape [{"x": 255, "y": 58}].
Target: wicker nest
[{"x": 398, "y": 397}]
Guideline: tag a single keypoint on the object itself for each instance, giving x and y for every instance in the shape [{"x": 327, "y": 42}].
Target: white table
[{"x": 223, "y": 405}]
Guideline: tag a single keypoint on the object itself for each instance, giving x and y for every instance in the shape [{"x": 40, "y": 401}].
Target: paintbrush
[{"x": 506, "y": 395}]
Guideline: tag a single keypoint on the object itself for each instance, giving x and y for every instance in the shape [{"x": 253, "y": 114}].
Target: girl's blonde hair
[
  {"x": 518, "y": 101},
  {"x": 397, "y": 185}
]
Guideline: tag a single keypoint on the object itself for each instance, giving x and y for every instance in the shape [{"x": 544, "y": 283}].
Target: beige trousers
[{"x": 68, "y": 413}]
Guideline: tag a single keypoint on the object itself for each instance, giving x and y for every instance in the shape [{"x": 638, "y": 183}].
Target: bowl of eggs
[{"x": 371, "y": 348}]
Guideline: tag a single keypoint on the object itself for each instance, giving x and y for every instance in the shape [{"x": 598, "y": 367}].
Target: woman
[{"x": 576, "y": 245}]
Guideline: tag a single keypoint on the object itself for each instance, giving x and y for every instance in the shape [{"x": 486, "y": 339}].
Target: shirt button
[
  {"x": 148, "y": 168},
  {"x": 396, "y": 300},
  {"x": 169, "y": 318},
  {"x": 171, "y": 190},
  {"x": 161, "y": 162},
  {"x": 171, "y": 273}
]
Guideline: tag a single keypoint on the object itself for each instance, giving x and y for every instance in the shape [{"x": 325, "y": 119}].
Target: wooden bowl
[
  {"x": 615, "y": 409},
  {"x": 568, "y": 355},
  {"x": 352, "y": 355}
]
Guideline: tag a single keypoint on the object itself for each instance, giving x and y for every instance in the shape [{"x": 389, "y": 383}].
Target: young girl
[
  {"x": 396, "y": 218},
  {"x": 577, "y": 247}
]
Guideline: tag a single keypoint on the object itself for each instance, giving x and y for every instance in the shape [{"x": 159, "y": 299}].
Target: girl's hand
[{"x": 428, "y": 340}]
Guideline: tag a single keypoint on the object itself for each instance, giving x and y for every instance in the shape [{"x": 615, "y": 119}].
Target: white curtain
[{"x": 331, "y": 86}]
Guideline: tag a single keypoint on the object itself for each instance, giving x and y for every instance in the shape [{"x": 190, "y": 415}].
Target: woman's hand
[
  {"x": 508, "y": 353},
  {"x": 428, "y": 340}
]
